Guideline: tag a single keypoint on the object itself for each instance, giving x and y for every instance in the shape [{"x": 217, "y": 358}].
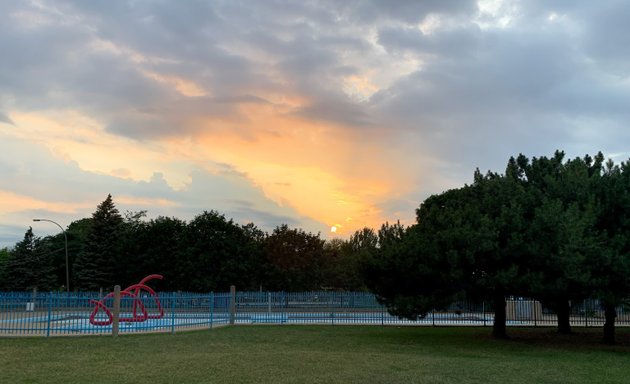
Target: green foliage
[
  {"x": 296, "y": 259},
  {"x": 217, "y": 253},
  {"x": 100, "y": 259},
  {"x": 553, "y": 229},
  {"x": 27, "y": 267},
  {"x": 154, "y": 247},
  {"x": 52, "y": 248},
  {"x": 341, "y": 266},
  {"x": 403, "y": 276}
]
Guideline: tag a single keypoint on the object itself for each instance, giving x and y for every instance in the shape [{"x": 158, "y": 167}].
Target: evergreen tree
[
  {"x": 563, "y": 235},
  {"x": 27, "y": 267},
  {"x": 96, "y": 265},
  {"x": 610, "y": 269}
]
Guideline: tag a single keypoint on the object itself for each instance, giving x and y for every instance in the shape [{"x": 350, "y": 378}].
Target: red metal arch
[{"x": 132, "y": 291}]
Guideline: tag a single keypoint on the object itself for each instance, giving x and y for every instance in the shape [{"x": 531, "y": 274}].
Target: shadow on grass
[{"x": 581, "y": 338}]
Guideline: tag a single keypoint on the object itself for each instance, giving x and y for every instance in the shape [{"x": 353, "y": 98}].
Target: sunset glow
[{"x": 324, "y": 116}]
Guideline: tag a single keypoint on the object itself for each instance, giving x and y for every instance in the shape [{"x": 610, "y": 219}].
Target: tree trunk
[
  {"x": 563, "y": 312},
  {"x": 610, "y": 312},
  {"x": 498, "y": 327}
]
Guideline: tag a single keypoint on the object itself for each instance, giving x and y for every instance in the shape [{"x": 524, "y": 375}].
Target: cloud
[
  {"x": 40, "y": 185},
  {"x": 304, "y": 112},
  {"x": 483, "y": 93},
  {"x": 4, "y": 118}
]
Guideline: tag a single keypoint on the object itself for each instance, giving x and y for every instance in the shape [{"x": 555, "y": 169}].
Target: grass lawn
[{"x": 320, "y": 354}]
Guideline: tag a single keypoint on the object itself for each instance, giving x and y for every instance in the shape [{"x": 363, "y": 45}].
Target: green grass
[{"x": 319, "y": 354}]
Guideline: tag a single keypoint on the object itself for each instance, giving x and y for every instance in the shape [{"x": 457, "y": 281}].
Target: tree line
[
  {"x": 547, "y": 228},
  {"x": 554, "y": 230},
  {"x": 208, "y": 253}
]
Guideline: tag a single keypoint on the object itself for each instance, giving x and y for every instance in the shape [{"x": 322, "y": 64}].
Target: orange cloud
[
  {"x": 73, "y": 136},
  {"x": 324, "y": 171},
  {"x": 183, "y": 86},
  {"x": 11, "y": 202}
]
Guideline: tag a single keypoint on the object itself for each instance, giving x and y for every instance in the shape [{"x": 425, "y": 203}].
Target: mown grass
[{"x": 319, "y": 354}]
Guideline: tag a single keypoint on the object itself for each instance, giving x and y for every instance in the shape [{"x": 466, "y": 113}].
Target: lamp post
[{"x": 66, "y": 239}]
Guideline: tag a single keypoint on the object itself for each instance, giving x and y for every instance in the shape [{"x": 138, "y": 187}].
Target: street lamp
[{"x": 66, "y": 238}]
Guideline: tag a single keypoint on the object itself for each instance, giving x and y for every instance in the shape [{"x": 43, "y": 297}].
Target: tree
[
  {"x": 611, "y": 267},
  {"x": 553, "y": 229},
  {"x": 96, "y": 265},
  {"x": 154, "y": 247},
  {"x": 217, "y": 253},
  {"x": 562, "y": 231},
  {"x": 498, "y": 216},
  {"x": 52, "y": 248},
  {"x": 77, "y": 232},
  {"x": 27, "y": 267},
  {"x": 404, "y": 270},
  {"x": 341, "y": 266},
  {"x": 296, "y": 258}
]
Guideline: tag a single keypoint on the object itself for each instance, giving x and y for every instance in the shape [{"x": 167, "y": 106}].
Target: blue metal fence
[
  {"x": 60, "y": 313},
  {"x": 363, "y": 308}
]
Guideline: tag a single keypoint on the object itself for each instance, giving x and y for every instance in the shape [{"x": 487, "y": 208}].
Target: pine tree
[
  {"x": 96, "y": 264},
  {"x": 28, "y": 267}
]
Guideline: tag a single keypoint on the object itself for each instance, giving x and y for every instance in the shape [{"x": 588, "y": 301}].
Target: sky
[{"x": 315, "y": 114}]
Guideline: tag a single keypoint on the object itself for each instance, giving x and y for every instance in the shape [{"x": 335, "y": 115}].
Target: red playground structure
[{"x": 139, "y": 314}]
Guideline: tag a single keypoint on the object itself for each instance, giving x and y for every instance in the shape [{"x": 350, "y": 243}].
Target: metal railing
[{"x": 61, "y": 313}]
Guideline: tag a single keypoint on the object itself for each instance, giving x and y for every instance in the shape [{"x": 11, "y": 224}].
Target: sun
[{"x": 333, "y": 229}]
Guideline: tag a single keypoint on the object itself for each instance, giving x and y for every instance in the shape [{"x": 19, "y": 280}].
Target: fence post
[
  {"x": 586, "y": 313},
  {"x": 332, "y": 309},
  {"x": 116, "y": 312},
  {"x": 211, "y": 308},
  {"x": 34, "y": 299},
  {"x": 49, "y": 313},
  {"x": 284, "y": 307},
  {"x": 173, "y": 300},
  {"x": 232, "y": 304},
  {"x": 382, "y": 314}
]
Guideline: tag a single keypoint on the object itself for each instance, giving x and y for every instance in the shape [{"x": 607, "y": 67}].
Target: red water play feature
[{"x": 140, "y": 312}]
